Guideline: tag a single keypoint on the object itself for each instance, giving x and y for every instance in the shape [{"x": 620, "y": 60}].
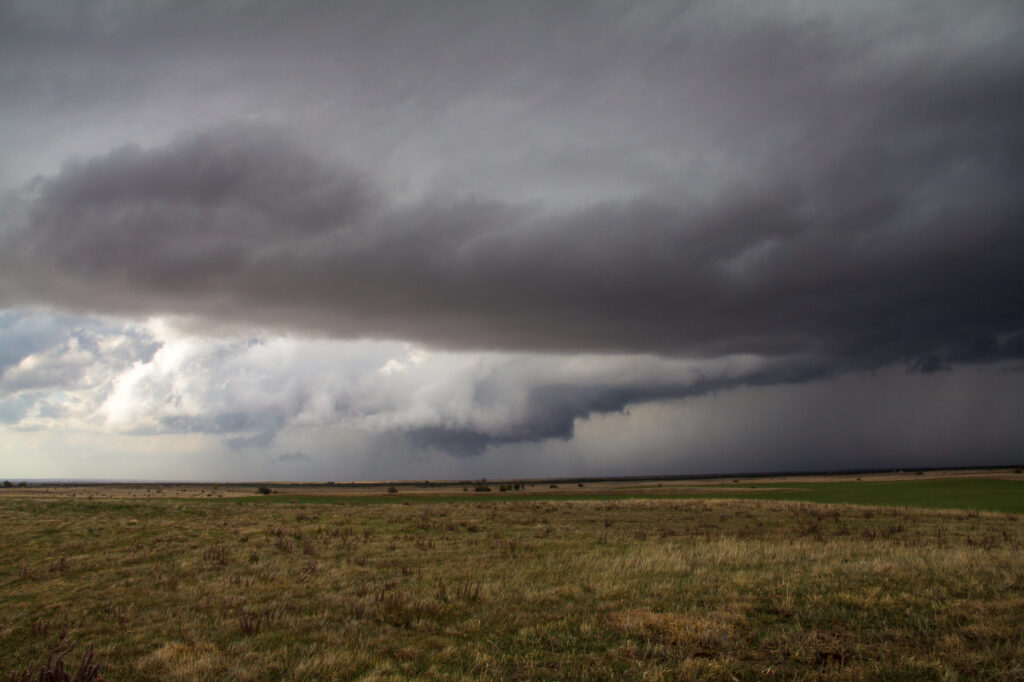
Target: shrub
[
  {"x": 264, "y": 490},
  {"x": 503, "y": 488},
  {"x": 8, "y": 484},
  {"x": 392, "y": 490},
  {"x": 483, "y": 488},
  {"x": 54, "y": 671},
  {"x": 553, "y": 485}
]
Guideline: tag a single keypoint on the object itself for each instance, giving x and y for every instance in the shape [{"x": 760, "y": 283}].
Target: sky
[{"x": 256, "y": 240}]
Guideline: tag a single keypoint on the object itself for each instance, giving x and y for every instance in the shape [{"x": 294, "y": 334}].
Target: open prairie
[{"x": 627, "y": 580}]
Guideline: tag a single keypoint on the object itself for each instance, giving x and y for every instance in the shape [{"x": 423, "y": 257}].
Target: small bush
[
  {"x": 54, "y": 671},
  {"x": 392, "y": 490},
  {"x": 483, "y": 488},
  {"x": 8, "y": 484},
  {"x": 553, "y": 485},
  {"x": 264, "y": 490}
]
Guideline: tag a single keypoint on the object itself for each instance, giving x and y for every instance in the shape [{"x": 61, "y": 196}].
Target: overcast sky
[{"x": 335, "y": 241}]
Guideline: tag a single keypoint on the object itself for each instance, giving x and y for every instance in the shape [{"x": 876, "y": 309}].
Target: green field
[
  {"x": 982, "y": 494},
  {"x": 538, "y": 586}
]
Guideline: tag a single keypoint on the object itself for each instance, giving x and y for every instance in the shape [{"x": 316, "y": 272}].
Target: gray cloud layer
[
  {"x": 893, "y": 263},
  {"x": 826, "y": 187}
]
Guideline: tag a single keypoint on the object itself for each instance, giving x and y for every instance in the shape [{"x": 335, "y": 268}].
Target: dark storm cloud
[
  {"x": 685, "y": 179},
  {"x": 553, "y": 408},
  {"x": 889, "y": 259}
]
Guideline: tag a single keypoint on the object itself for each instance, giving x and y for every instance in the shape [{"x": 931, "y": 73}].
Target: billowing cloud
[
  {"x": 247, "y": 389},
  {"x": 53, "y": 367}
]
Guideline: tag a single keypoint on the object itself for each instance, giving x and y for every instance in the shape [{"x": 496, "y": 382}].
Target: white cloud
[{"x": 153, "y": 377}]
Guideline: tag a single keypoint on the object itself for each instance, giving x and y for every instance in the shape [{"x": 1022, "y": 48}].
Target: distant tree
[
  {"x": 8, "y": 484},
  {"x": 22, "y": 484},
  {"x": 264, "y": 490},
  {"x": 392, "y": 489}
]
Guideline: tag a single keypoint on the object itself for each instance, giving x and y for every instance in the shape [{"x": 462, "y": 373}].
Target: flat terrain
[{"x": 647, "y": 580}]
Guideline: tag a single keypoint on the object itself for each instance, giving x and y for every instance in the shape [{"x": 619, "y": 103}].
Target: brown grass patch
[{"x": 707, "y": 633}]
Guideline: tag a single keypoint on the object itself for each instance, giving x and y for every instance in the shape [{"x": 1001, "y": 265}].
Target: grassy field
[
  {"x": 987, "y": 494},
  {"x": 212, "y": 588}
]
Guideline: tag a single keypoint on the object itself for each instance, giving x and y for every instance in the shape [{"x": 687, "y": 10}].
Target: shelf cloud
[{"x": 236, "y": 225}]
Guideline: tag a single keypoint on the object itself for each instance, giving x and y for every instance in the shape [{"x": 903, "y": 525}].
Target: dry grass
[{"x": 648, "y": 589}]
